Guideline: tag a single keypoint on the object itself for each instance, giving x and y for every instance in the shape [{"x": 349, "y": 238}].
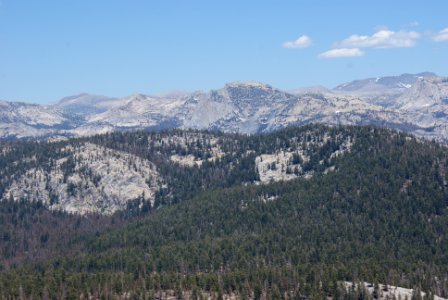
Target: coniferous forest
[{"x": 344, "y": 205}]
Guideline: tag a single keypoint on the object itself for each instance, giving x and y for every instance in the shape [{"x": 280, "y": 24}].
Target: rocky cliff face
[{"x": 88, "y": 179}]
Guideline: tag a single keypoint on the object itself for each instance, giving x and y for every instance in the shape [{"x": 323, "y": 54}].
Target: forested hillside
[{"x": 291, "y": 214}]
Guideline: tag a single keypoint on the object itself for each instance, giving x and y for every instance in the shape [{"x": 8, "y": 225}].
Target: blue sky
[{"x": 52, "y": 49}]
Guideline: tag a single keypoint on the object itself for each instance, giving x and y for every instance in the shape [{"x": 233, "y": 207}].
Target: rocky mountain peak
[
  {"x": 254, "y": 94},
  {"x": 248, "y": 84},
  {"x": 426, "y": 92}
]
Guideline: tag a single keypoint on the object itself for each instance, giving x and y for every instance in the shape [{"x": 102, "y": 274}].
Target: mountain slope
[
  {"x": 425, "y": 94},
  {"x": 23, "y": 120},
  {"x": 86, "y": 104},
  {"x": 384, "y": 181},
  {"x": 382, "y": 90},
  {"x": 105, "y": 174},
  {"x": 366, "y": 204},
  {"x": 402, "y": 81},
  {"x": 88, "y": 179}
]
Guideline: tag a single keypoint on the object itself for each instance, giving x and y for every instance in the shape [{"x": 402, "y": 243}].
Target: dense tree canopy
[{"x": 380, "y": 216}]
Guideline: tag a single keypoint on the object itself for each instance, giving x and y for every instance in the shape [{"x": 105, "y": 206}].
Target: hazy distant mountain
[
  {"x": 416, "y": 103},
  {"x": 401, "y": 81},
  {"x": 86, "y": 104},
  {"x": 381, "y": 90},
  {"x": 24, "y": 120}
]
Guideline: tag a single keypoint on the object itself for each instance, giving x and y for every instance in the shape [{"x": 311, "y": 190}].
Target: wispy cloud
[
  {"x": 342, "y": 52},
  {"x": 302, "y": 42},
  {"x": 381, "y": 39},
  {"x": 441, "y": 36}
]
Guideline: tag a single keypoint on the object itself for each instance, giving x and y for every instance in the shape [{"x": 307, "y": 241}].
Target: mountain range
[{"x": 415, "y": 103}]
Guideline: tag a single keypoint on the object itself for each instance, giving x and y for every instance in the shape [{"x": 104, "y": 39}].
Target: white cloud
[
  {"x": 302, "y": 42},
  {"x": 342, "y": 52},
  {"x": 441, "y": 36},
  {"x": 381, "y": 39}
]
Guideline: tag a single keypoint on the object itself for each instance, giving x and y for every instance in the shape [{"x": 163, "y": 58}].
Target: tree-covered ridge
[
  {"x": 34, "y": 169},
  {"x": 380, "y": 216},
  {"x": 236, "y": 162},
  {"x": 372, "y": 202},
  {"x": 217, "y": 160}
]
